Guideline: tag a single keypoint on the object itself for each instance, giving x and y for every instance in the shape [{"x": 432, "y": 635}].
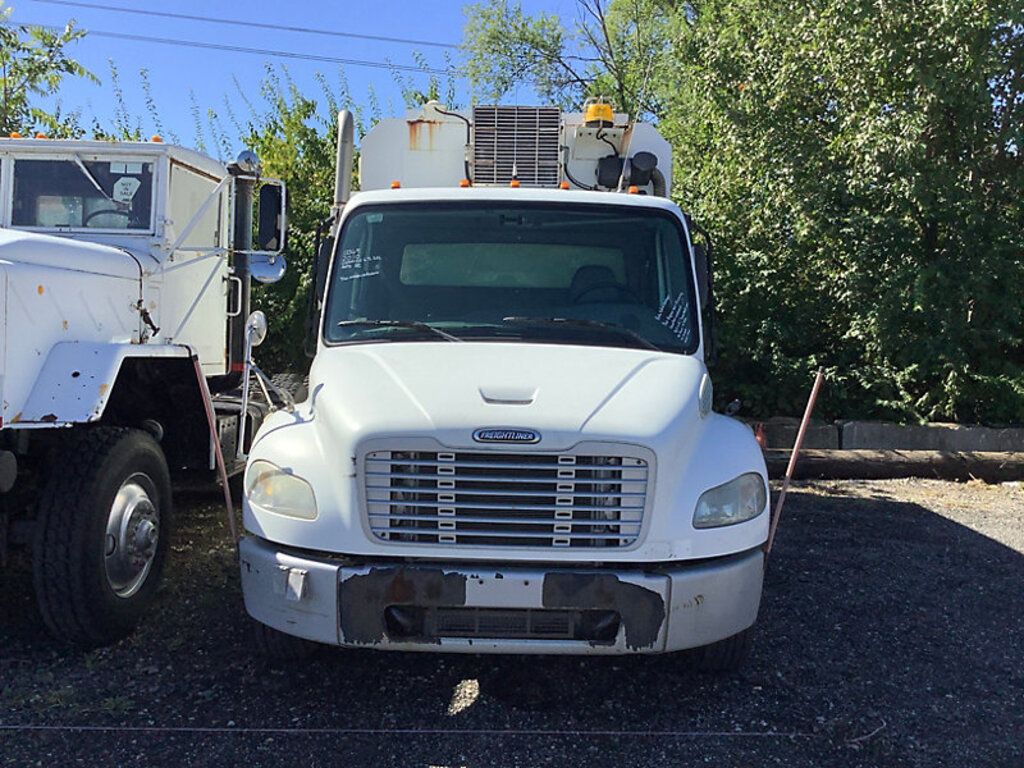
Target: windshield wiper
[
  {"x": 92, "y": 179},
  {"x": 411, "y": 324},
  {"x": 581, "y": 323}
]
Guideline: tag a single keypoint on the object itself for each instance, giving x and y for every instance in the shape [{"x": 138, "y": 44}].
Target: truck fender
[{"x": 76, "y": 381}]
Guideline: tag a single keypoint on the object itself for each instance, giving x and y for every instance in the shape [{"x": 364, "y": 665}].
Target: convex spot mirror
[
  {"x": 256, "y": 328},
  {"x": 267, "y": 267}
]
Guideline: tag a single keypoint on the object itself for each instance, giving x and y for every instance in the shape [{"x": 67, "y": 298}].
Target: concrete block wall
[{"x": 780, "y": 433}]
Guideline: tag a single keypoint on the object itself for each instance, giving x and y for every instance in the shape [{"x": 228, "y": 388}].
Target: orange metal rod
[{"x": 792, "y": 459}]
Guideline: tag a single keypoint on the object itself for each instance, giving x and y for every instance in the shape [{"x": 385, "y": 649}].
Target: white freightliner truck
[
  {"x": 124, "y": 291},
  {"x": 508, "y": 443}
]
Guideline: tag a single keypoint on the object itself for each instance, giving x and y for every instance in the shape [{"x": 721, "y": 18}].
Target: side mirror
[
  {"x": 270, "y": 233},
  {"x": 256, "y": 328}
]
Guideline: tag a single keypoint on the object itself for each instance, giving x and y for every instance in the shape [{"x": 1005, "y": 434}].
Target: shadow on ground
[{"x": 889, "y": 635}]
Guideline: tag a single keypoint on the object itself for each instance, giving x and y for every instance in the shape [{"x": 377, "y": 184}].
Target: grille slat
[
  {"x": 486, "y": 505},
  {"x": 532, "y": 535},
  {"x": 497, "y": 498},
  {"x": 530, "y": 494},
  {"x": 503, "y": 478}
]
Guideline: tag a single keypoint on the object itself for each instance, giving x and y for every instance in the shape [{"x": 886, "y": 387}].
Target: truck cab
[
  {"x": 125, "y": 271},
  {"x": 508, "y": 443}
]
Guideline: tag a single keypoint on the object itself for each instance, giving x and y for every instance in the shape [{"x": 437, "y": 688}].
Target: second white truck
[{"x": 508, "y": 443}]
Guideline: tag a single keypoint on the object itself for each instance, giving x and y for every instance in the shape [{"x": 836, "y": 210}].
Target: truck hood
[
  {"x": 448, "y": 390},
  {"x": 62, "y": 253},
  {"x": 431, "y": 396}
]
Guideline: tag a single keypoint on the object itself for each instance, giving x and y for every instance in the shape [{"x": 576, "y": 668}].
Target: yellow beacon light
[{"x": 598, "y": 114}]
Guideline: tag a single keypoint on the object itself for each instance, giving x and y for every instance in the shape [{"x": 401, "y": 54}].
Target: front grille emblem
[{"x": 506, "y": 435}]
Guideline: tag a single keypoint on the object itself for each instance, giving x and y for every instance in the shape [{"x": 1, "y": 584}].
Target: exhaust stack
[{"x": 343, "y": 163}]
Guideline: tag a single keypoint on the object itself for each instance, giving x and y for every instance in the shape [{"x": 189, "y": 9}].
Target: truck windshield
[
  {"x": 587, "y": 274},
  {"x": 75, "y": 193}
]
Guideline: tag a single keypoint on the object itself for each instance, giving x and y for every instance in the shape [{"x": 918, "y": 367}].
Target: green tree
[
  {"x": 614, "y": 49},
  {"x": 295, "y": 140},
  {"x": 33, "y": 63}
]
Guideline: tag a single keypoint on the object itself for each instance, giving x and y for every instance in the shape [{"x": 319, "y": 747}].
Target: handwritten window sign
[
  {"x": 674, "y": 314},
  {"x": 354, "y": 264}
]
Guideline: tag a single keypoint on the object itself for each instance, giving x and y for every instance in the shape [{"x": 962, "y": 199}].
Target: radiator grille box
[{"x": 519, "y": 141}]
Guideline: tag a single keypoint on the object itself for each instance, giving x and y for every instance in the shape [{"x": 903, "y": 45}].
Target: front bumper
[{"x": 466, "y": 608}]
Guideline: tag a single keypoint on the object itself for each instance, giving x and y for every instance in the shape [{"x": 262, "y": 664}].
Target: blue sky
[{"x": 211, "y": 74}]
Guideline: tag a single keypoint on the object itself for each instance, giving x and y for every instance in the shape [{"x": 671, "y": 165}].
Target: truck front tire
[{"x": 102, "y": 535}]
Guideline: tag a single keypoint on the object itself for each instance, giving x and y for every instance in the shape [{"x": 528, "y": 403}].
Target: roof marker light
[
  {"x": 14, "y": 135},
  {"x": 464, "y": 183},
  {"x": 156, "y": 139},
  {"x": 40, "y": 135},
  {"x": 396, "y": 184},
  {"x": 634, "y": 189},
  {"x": 514, "y": 184},
  {"x": 563, "y": 185}
]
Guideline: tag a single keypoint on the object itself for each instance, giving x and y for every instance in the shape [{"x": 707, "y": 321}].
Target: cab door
[{"x": 195, "y": 289}]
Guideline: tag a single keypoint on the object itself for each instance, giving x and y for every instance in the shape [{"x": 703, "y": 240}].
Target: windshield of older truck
[
  {"x": 76, "y": 193},
  {"x": 598, "y": 275}
]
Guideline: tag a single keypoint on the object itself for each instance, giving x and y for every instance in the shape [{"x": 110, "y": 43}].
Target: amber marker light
[
  {"x": 396, "y": 185},
  {"x": 464, "y": 183}
]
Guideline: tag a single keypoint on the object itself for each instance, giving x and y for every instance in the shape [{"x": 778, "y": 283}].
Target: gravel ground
[{"x": 890, "y": 634}]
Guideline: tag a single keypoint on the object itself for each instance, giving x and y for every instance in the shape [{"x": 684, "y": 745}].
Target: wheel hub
[{"x": 133, "y": 532}]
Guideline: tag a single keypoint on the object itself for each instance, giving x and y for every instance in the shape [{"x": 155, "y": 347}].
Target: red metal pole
[
  {"x": 211, "y": 419},
  {"x": 792, "y": 459}
]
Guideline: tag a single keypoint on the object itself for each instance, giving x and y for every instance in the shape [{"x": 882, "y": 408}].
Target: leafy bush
[{"x": 860, "y": 165}]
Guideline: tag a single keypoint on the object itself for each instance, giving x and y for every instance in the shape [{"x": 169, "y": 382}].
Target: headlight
[
  {"x": 733, "y": 502},
  {"x": 271, "y": 488}
]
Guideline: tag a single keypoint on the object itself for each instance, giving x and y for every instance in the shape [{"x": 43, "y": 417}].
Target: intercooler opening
[{"x": 405, "y": 622}]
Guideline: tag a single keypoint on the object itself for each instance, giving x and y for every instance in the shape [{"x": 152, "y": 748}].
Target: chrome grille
[
  {"x": 520, "y": 139},
  {"x": 505, "y": 499}
]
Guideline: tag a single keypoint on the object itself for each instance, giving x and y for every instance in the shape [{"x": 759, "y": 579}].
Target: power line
[
  {"x": 257, "y": 51},
  {"x": 252, "y": 24}
]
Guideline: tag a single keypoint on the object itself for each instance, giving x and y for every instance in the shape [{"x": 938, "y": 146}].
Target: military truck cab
[{"x": 125, "y": 272}]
